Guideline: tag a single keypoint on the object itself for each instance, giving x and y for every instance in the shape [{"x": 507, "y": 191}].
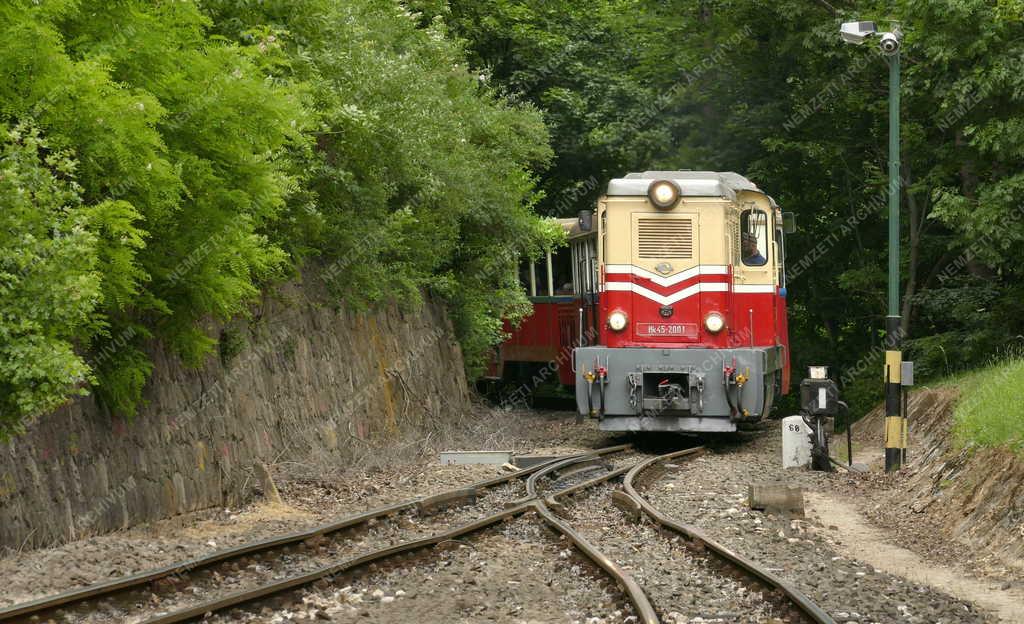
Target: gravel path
[{"x": 709, "y": 492}]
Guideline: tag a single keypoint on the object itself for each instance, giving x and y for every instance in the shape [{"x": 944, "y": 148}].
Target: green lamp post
[{"x": 895, "y": 425}]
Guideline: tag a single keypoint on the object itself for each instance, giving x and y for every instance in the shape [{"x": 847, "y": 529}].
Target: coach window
[
  {"x": 562, "y": 265},
  {"x": 528, "y": 277},
  {"x": 754, "y": 237},
  {"x": 583, "y": 266}
]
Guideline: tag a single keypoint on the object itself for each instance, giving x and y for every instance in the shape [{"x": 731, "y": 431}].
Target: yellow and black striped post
[{"x": 895, "y": 424}]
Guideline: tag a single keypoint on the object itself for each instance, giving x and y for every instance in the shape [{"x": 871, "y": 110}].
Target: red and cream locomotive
[{"x": 668, "y": 310}]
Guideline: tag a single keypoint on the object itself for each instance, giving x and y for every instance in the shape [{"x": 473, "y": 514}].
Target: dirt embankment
[{"x": 972, "y": 495}]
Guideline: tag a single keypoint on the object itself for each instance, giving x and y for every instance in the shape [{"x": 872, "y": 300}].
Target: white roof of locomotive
[{"x": 691, "y": 183}]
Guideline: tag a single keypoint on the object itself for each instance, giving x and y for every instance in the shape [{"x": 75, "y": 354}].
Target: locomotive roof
[{"x": 692, "y": 183}]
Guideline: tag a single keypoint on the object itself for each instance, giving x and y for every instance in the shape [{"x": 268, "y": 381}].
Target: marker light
[
  {"x": 714, "y": 322},
  {"x": 663, "y": 193},
  {"x": 617, "y": 320}
]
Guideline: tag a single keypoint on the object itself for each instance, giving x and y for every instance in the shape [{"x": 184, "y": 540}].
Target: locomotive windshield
[{"x": 754, "y": 237}]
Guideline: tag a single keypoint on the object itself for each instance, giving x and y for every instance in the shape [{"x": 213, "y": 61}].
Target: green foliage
[
  {"x": 50, "y": 282},
  {"x": 197, "y": 152},
  {"x": 421, "y": 175},
  {"x": 173, "y": 132},
  {"x": 770, "y": 90},
  {"x": 990, "y": 411},
  {"x": 577, "y": 63},
  {"x": 232, "y": 342}
]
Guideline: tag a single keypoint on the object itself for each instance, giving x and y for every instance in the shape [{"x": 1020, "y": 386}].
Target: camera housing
[
  {"x": 889, "y": 43},
  {"x": 857, "y": 32}
]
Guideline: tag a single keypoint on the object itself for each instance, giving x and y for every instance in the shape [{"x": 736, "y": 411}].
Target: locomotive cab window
[{"x": 754, "y": 237}]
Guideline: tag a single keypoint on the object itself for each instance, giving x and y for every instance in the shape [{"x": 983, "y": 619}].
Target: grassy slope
[{"x": 991, "y": 407}]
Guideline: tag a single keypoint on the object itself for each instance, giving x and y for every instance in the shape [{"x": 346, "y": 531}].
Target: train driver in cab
[{"x": 751, "y": 255}]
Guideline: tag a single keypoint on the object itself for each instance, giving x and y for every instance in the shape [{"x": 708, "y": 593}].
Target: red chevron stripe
[{"x": 665, "y": 290}]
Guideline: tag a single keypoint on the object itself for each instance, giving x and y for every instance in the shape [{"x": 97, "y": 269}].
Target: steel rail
[
  {"x": 263, "y": 591},
  {"x": 555, "y": 466},
  {"x": 623, "y": 579},
  {"x": 108, "y": 588},
  {"x": 798, "y": 599},
  {"x": 423, "y": 504},
  {"x": 629, "y": 586}
]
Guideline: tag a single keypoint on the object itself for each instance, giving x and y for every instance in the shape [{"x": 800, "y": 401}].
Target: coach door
[
  {"x": 584, "y": 278},
  {"x": 754, "y": 290}
]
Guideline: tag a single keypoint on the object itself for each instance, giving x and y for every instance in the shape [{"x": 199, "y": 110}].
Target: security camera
[
  {"x": 857, "y": 32},
  {"x": 889, "y": 43}
]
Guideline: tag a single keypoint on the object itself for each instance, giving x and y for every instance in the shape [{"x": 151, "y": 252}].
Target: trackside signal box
[{"x": 819, "y": 396}]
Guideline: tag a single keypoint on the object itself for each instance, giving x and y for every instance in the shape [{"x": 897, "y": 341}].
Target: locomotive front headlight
[
  {"x": 714, "y": 322},
  {"x": 663, "y": 193},
  {"x": 617, "y": 320}
]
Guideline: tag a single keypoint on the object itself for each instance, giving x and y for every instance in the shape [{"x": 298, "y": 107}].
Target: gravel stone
[
  {"x": 512, "y": 574},
  {"x": 703, "y": 491}
]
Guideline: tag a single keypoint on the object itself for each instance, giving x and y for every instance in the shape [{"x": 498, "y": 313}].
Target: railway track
[
  {"x": 785, "y": 600},
  {"x": 124, "y": 599},
  {"x": 545, "y": 492},
  {"x": 407, "y": 553}
]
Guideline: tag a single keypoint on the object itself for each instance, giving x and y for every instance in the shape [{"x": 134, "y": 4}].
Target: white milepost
[{"x": 796, "y": 443}]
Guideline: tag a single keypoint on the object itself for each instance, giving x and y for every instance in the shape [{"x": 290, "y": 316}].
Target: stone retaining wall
[{"x": 309, "y": 381}]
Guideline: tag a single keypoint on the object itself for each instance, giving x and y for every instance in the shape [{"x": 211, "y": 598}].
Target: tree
[
  {"x": 421, "y": 176},
  {"x": 54, "y": 252},
  {"x": 770, "y": 90},
  {"x": 210, "y": 151}
]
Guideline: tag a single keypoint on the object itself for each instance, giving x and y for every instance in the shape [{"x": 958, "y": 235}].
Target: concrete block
[
  {"x": 450, "y": 458},
  {"x": 776, "y": 498}
]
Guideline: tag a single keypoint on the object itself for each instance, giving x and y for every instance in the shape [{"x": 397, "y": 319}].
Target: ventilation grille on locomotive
[{"x": 665, "y": 238}]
